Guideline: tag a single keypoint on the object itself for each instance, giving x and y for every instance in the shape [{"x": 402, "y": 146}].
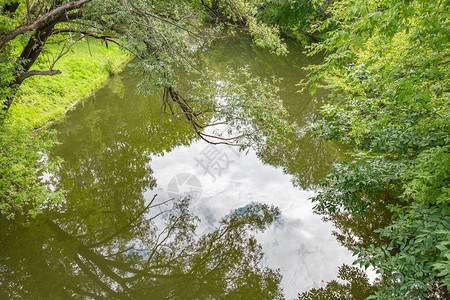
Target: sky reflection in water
[
  {"x": 299, "y": 243},
  {"x": 117, "y": 156}
]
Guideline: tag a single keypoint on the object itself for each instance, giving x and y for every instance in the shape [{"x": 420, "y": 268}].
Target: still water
[{"x": 153, "y": 212}]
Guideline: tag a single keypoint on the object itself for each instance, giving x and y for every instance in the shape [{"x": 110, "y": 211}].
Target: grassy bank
[{"x": 45, "y": 98}]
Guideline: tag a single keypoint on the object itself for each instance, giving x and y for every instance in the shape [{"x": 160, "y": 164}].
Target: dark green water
[{"x": 126, "y": 232}]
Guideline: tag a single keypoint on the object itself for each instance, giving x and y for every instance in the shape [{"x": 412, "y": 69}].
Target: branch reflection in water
[{"x": 58, "y": 256}]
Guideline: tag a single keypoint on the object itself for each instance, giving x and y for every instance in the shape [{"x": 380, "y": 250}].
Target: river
[{"x": 125, "y": 166}]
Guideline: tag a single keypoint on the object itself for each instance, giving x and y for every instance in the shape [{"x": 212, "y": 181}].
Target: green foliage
[
  {"x": 388, "y": 76},
  {"x": 427, "y": 180},
  {"x": 244, "y": 12},
  {"x": 7, "y": 19},
  {"x": 8, "y": 71},
  {"x": 354, "y": 186},
  {"x": 292, "y": 16},
  {"x": 266, "y": 36},
  {"x": 23, "y": 162},
  {"x": 417, "y": 255}
]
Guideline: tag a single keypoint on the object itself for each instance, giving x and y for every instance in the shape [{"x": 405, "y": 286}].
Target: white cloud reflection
[{"x": 300, "y": 244}]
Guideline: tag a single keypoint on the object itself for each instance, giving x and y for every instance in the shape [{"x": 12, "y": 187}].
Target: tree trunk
[{"x": 27, "y": 58}]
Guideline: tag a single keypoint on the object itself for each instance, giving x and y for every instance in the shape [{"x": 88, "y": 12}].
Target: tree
[
  {"x": 387, "y": 72},
  {"x": 165, "y": 38},
  {"x": 295, "y": 18}
]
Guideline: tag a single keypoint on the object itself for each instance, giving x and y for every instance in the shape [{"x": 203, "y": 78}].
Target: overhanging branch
[
  {"x": 86, "y": 33},
  {"x": 192, "y": 118},
  {"x": 48, "y": 17}
]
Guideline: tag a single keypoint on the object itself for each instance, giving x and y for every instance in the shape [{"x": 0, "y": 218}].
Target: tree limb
[
  {"x": 51, "y": 15},
  {"x": 38, "y": 72}
]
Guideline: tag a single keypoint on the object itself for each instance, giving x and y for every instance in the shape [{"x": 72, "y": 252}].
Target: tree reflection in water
[
  {"x": 111, "y": 239},
  {"x": 53, "y": 258},
  {"x": 353, "y": 283}
]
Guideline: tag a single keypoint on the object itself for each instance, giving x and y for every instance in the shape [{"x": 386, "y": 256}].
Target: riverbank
[{"x": 44, "y": 99}]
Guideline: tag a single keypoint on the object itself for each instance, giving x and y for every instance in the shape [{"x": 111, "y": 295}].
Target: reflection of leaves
[
  {"x": 117, "y": 87},
  {"x": 354, "y": 231},
  {"x": 355, "y": 286},
  {"x": 156, "y": 262},
  {"x": 307, "y": 159}
]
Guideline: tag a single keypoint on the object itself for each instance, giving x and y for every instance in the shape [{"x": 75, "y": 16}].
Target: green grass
[{"x": 42, "y": 99}]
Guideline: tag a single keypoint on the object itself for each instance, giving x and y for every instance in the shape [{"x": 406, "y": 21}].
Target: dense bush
[
  {"x": 23, "y": 162},
  {"x": 388, "y": 76},
  {"x": 294, "y": 17}
]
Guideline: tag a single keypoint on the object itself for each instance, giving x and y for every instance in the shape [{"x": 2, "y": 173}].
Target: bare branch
[
  {"x": 65, "y": 52},
  {"x": 170, "y": 95}
]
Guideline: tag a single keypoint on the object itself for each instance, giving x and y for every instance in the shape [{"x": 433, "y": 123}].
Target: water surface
[{"x": 123, "y": 162}]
